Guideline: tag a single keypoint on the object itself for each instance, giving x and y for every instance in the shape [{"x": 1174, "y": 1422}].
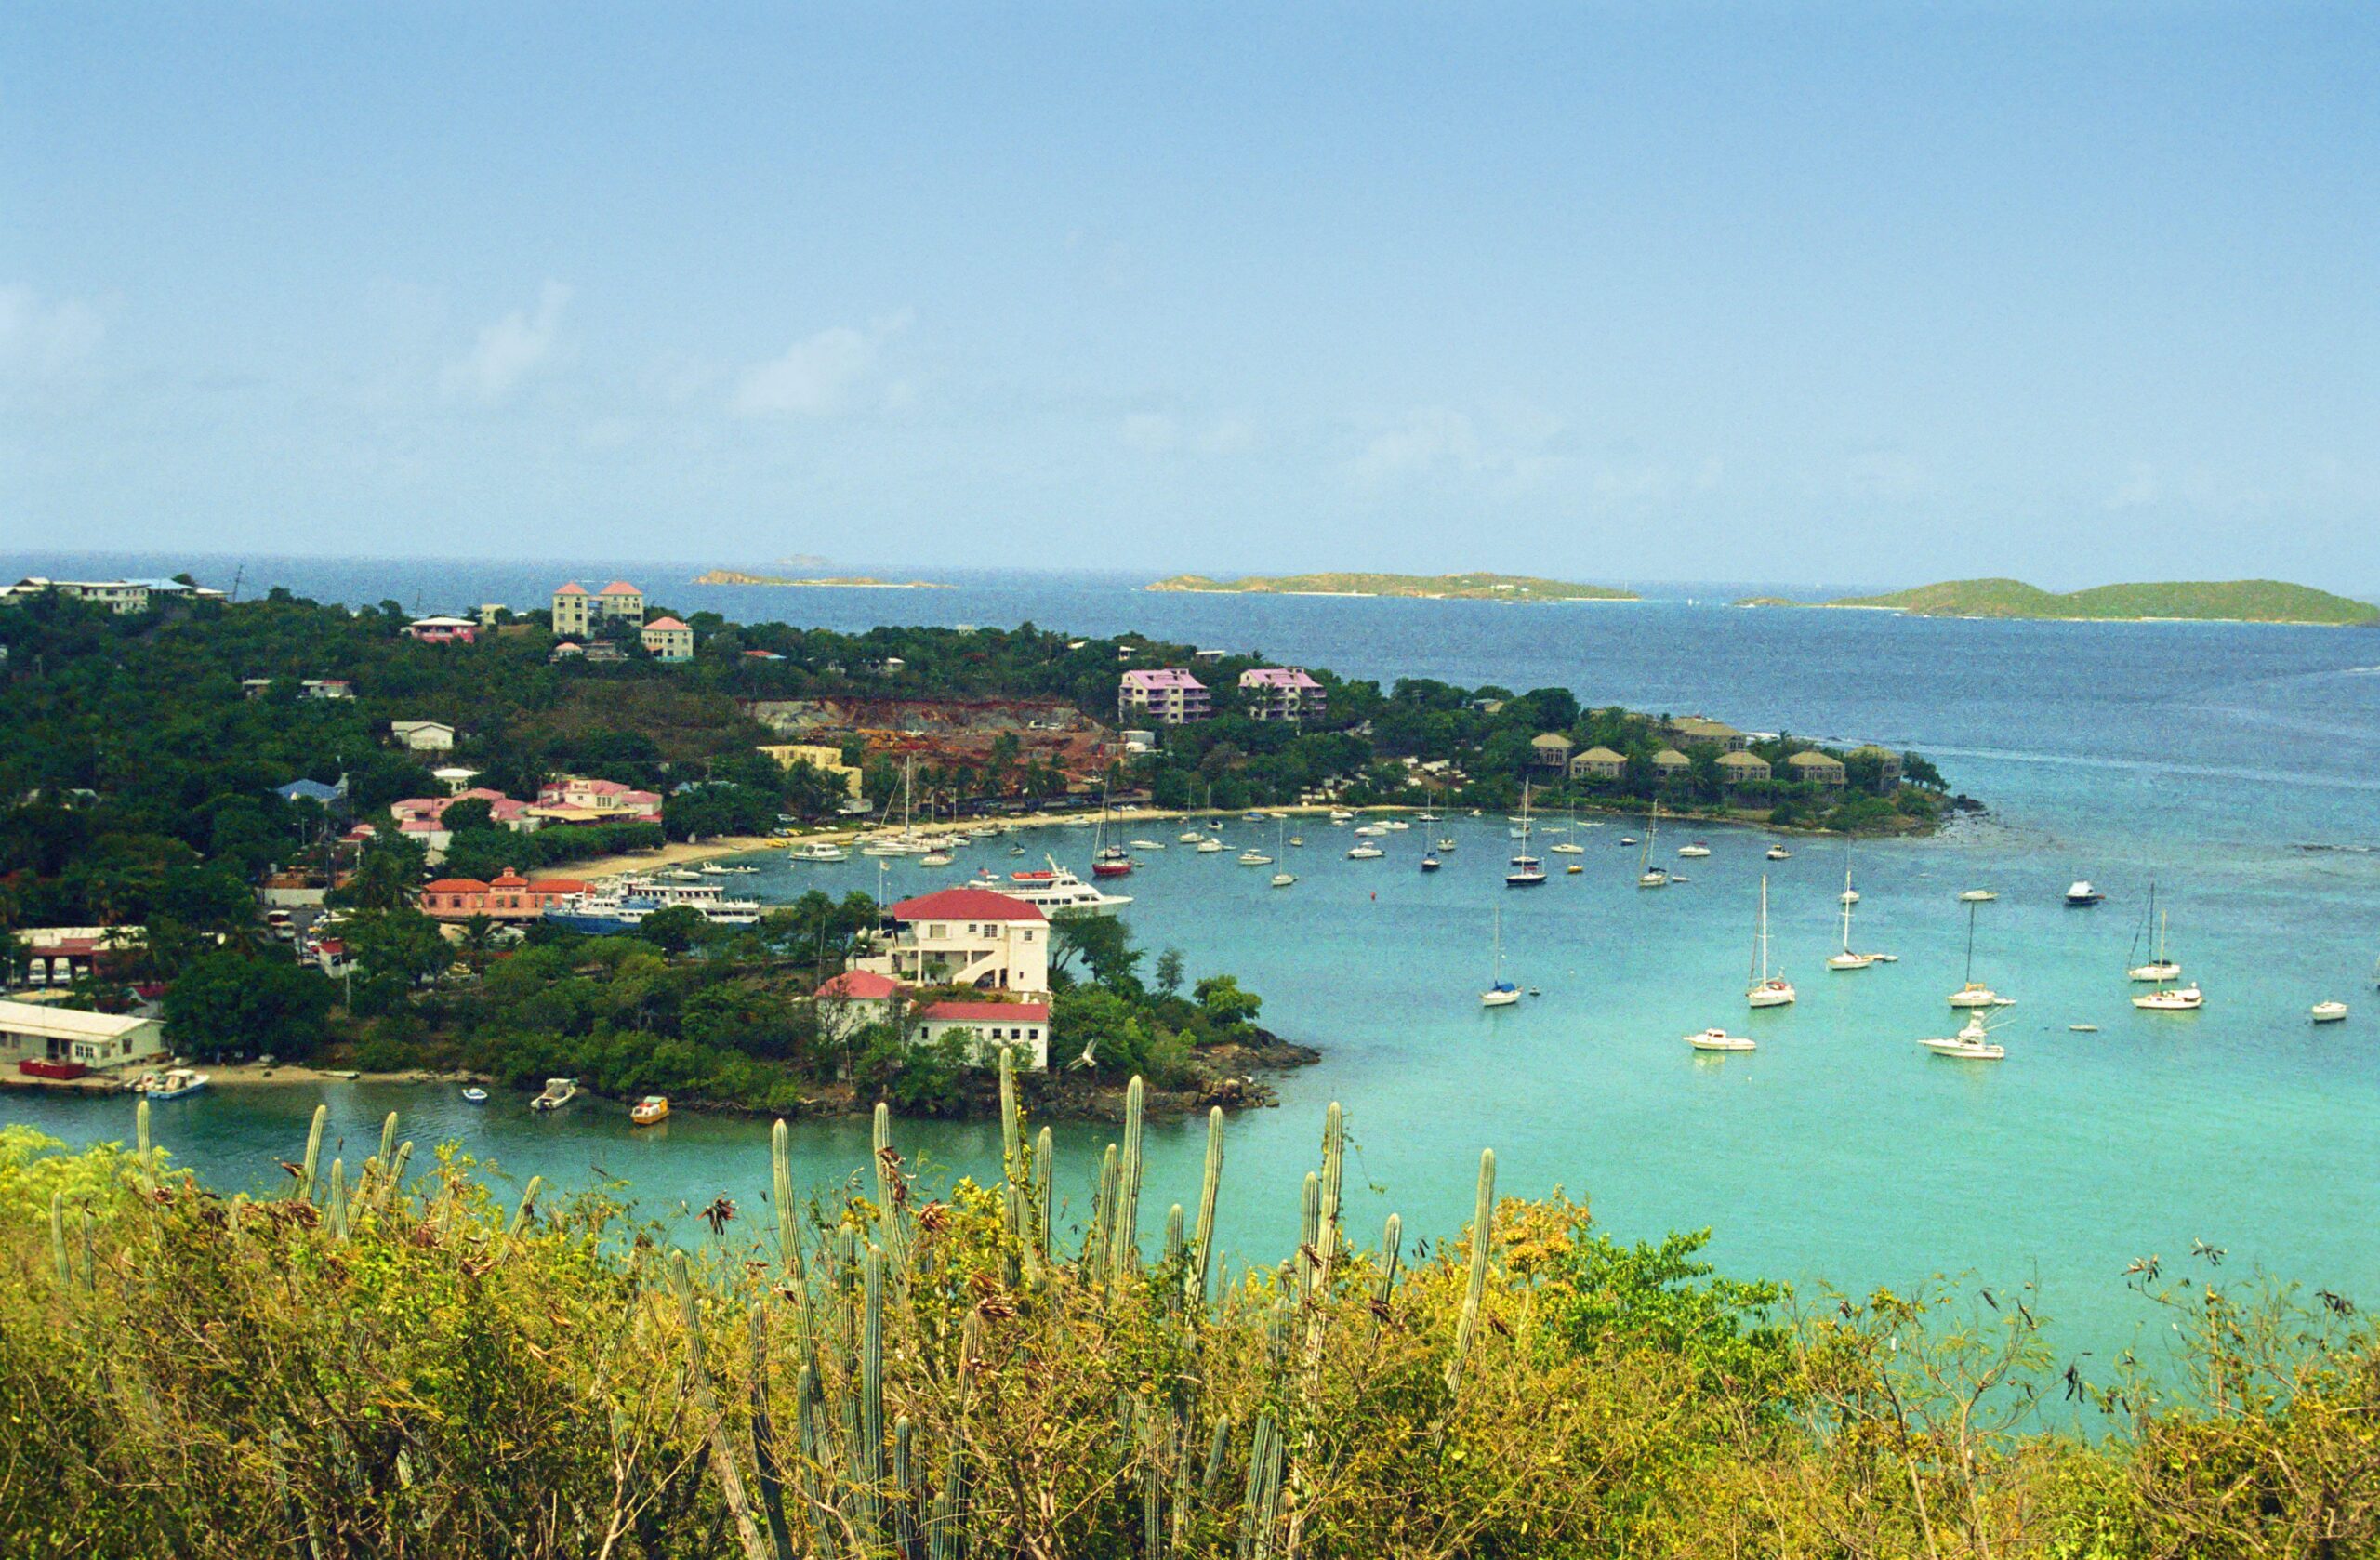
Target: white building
[
  {"x": 423, "y": 736},
  {"x": 38, "y": 1032},
  {"x": 989, "y": 1029},
  {"x": 967, "y": 937}
]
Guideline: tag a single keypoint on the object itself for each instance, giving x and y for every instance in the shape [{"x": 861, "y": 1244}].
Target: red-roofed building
[
  {"x": 576, "y": 613},
  {"x": 509, "y": 897},
  {"x": 989, "y": 1029},
  {"x": 966, "y": 937},
  {"x": 567, "y": 799},
  {"x": 854, "y": 999},
  {"x": 665, "y": 639}
]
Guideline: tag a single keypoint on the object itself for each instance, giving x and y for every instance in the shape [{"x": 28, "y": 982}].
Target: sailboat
[
  {"x": 1280, "y": 879},
  {"x": 1528, "y": 871},
  {"x": 1501, "y": 993},
  {"x": 906, "y": 843},
  {"x": 2159, "y": 967},
  {"x": 1764, "y": 989},
  {"x": 1975, "y": 993},
  {"x": 2168, "y": 997},
  {"x": 1647, "y": 875},
  {"x": 1570, "y": 847},
  {"x": 1846, "y": 959},
  {"x": 1972, "y": 1043},
  {"x": 1108, "y": 858}
]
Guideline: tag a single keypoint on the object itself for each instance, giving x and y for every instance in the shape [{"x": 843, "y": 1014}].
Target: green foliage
[
  {"x": 1102, "y": 944},
  {"x": 1226, "y": 1003},
  {"x": 1662, "y": 1298},
  {"x": 234, "y": 1003}
]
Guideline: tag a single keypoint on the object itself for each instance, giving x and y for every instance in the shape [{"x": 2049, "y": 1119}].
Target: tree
[
  {"x": 386, "y": 875},
  {"x": 229, "y": 1002},
  {"x": 673, "y": 929},
  {"x": 405, "y": 946},
  {"x": 1224, "y": 1003},
  {"x": 1103, "y": 943},
  {"x": 1169, "y": 971},
  {"x": 467, "y": 812}
]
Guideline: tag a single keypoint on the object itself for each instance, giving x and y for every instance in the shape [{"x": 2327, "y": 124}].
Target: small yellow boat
[{"x": 648, "y": 1111}]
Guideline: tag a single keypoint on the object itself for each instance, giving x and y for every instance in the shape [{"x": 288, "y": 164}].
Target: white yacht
[
  {"x": 715, "y": 869},
  {"x": 1647, "y": 875},
  {"x": 1719, "y": 1039},
  {"x": 1778, "y": 852},
  {"x": 2327, "y": 1013},
  {"x": 2080, "y": 896},
  {"x": 817, "y": 850},
  {"x": 2171, "y": 1000},
  {"x": 1765, "y": 988},
  {"x": 1367, "y": 851},
  {"x": 1972, "y": 1043},
  {"x": 1501, "y": 993},
  {"x": 2160, "y": 967},
  {"x": 1846, "y": 959},
  {"x": 1975, "y": 993},
  {"x": 1283, "y": 879},
  {"x": 1978, "y": 896},
  {"x": 1254, "y": 858},
  {"x": 1694, "y": 851},
  {"x": 1148, "y": 844},
  {"x": 1210, "y": 844},
  {"x": 1055, "y": 892}
]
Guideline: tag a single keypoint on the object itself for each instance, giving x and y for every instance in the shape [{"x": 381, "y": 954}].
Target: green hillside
[
  {"x": 2238, "y": 601},
  {"x": 1474, "y": 586}
]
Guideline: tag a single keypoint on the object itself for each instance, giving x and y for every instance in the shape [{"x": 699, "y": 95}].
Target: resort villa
[
  {"x": 424, "y": 817},
  {"x": 1817, "y": 767},
  {"x": 1670, "y": 764},
  {"x": 1167, "y": 697},
  {"x": 1695, "y": 730},
  {"x": 1739, "y": 768},
  {"x": 962, "y": 936},
  {"x": 577, "y": 613},
  {"x": 119, "y": 596},
  {"x": 1888, "y": 764},
  {"x": 1281, "y": 693},
  {"x": 570, "y": 800},
  {"x": 1599, "y": 763},
  {"x": 443, "y": 630},
  {"x": 666, "y": 638},
  {"x": 1550, "y": 750}
]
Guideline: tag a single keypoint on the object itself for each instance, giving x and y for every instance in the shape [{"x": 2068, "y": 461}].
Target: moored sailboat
[{"x": 1765, "y": 989}]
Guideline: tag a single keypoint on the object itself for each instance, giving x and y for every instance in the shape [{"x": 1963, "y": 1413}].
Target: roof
[
  {"x": 1700, "y": 725},
  {"x": 1604, "y": 756},
  {"x": 1742, "y": 761},
  {"x": 990, "y": 1012},
  {"x": 1277, "y": 677},
  {"x": 72, "y": 1023},
  {"x": 619, "y": 587},
  {"x": 1549, "y": 739},
  {"x": 1809, "y": 758},
  {"x": 966, "y": 905},
  {"x": 1163, "y": 677},
  {"x": 662, "y": 623},
  {"x": 420, "y": 725},
  {"x": 311, "y": 790},
  {"x": 454, "y": 885},
  {"x": 573, "y": 589},
  {"x": 1670, "y": 756},
  {"x": 860, "y": 985},
  {"x": 558, "y": 885}
]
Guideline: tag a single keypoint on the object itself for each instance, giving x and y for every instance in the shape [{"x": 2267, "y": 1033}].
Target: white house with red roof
[
  {"x": 666, "y": 638},
  {"x": 962, "y": 936},
  {"x": 1168, "y": 695},
  {"x": 852, "y": 1001}
]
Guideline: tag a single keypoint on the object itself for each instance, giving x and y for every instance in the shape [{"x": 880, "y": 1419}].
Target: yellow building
[{"x": 826, "y": 760}]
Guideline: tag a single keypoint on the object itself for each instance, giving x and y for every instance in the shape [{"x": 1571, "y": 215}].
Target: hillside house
[
  {"x": 507, "y": 897},
  {"x": 1694, "y": 730},
  {"x": 1818, "y": 769},
  {"x": 1737, "y": 768},
  {"x": 1888, "y": 764},
  {"x": 966, "y": 936},
  {"x": 443, "y": 630},
  {"x": 1165, "y": 695},
  {"x": 666, "y": 638},
  {"x": 1670, "y": 764},
  {"x": 569, "y": 799},
  {"x": 577, "y": 614},
  {"x": 1599, "y": 763},
  {"x": 1550, "y": 750},
  {"x": 1282, "y": 693},
  {"x": 423, "y": 736}
]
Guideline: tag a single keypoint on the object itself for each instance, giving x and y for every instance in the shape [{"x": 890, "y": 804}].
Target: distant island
[
  {"x": 2236, "y": 600},
  {"x": 848, "y": 582},
  {"x": 1454, "y": 588}
]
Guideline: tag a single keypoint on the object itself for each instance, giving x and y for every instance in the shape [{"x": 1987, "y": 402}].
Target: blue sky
[{"x": 1880, "y": 293}]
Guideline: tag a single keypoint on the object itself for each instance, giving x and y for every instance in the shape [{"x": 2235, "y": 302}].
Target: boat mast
[{"x": 1846, "y": 908}]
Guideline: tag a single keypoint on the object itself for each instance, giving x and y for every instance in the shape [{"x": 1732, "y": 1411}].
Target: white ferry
[
  {"x": 1055, "y": 892},
  {"x": 623, "y": 905}
]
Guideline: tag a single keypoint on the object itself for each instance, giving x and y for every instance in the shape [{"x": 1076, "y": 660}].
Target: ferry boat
[
  {"x": 650, "y": 1111},
  {"x": 559, "y": 1091},
  {"x": 173, "y": 1083},
  {"x": 624, "y": 905},
  {"x": 1053, "y": 892}
]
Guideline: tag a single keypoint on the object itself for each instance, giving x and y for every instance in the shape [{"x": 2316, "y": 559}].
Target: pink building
[
  {"x": 442, "y": 631},
  {"x": 507, "y": 897},
  {"x": 1168, "y": 696},
  {"x": 571, "y": 799},
  {"x": 1281, "y": 693},
  {"x": 424, "y": 817}
]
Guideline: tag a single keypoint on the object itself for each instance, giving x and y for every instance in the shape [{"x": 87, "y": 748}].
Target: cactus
[
  {"x": 905, "y": 1481},
  {"x": 529, "y": 1205},
  {"x": 1334, "y": 1165},
  {"x": 1208, "y": 1189},
  {"x": 730, "y": 1483},
  {"x": 767, "y": 1474},
  {"x": 1012, "y": 1125},
  {"x": 1218, "y": 1444},
  {"x": 781, "y": 1191},
  {"x": 1124, "y": 1226},
  {"x": 1261, "y": 1510},
  {"x": 1045, "y": 1167},
  {"x": 1016, "y": 1250},
  {"x": 314, "y": 1154},
  {"x": 891, "y": 1193},
  {"x": 140, "y": 1129},
  {"x": 1309, "y": 1234},
  {"x": 944, "y": 1538},
  {"x": 871, "y": 1387},
  {"x": 1483, "y": 1229},
  {"x": 392, "y": 1182},
  {"x": 58, "y": 1238},
  {"x": 1392, "y": 1240},
  {"x": 1103, "y": 1215},
  {"x": 336, "y": 1206},
  {"x": 1174, "y": 1234},
  {"x": 811, "y": 1443},
  {"x": 389, "y": 1138}
]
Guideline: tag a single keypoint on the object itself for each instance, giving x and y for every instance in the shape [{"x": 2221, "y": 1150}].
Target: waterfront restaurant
[{"x": 70, "y": 1039}]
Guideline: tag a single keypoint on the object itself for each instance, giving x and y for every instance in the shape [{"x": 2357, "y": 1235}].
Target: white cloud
[
  {"x": 46, "y": 345},
  {"x": 511, "y": 349},
  {"x": 823, "y": 374}
]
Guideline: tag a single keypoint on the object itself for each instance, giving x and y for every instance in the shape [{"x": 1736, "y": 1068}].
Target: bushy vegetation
[{"x": 388, "y": 1362}]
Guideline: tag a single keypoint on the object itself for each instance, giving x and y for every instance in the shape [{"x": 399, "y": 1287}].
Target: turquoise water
[{"x": 2204, "y": 756}]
